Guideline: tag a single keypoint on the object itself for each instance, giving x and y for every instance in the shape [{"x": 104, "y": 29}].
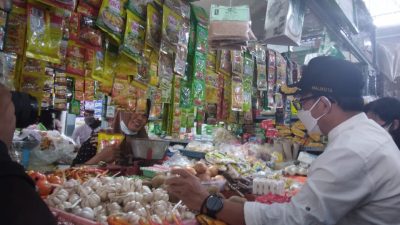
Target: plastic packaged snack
[
  {"x": 65, "y": 4},
  {"x": 3, "y": 19},
  {"x": 200, "y": 61},
  {"x": 237, "y": 93},
  {"x": 73, "y": 26},
  {"x": 142, "y": 75},
  {"x": 89, "y": 89},
  {"x": 45, "y": 31},
  {"x": 248, "y": 71},
  {"x": 89, "y": 34},
  {"x": 171, "y": 25},
  {"x": 107, "y": 140},
  {"x": 179, "y": 6},
  {"x": 111, "y": 18},
  {"x": 201, "y": 38},
  {"x": 75, "y": 59},
  {"x": 153, "y": 26},
  {"x": 198, "y": 90},
  {"x": 224, "y": 62},
  {"x": 8, "y": 63},
  {"x": 180, "y": 60},
  {"x": 98, "y": 65},
  {"x": 16, "y": 31},
  {"x": 138, "y": 7},
  {"x": 237, "y": 62},
  {"x": 153, "y": 67},
  {"x": 86, "y": 9},
  {"x": 134, "y": 37},
  {"x": 166, "y": 89}
]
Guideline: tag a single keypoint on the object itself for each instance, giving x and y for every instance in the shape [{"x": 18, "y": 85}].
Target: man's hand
[
  {"x": 188, "y": 188},
  {"x": 7, "y": 116}
]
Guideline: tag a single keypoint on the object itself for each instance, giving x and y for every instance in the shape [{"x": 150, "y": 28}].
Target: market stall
[{"x": 217, "y": 74}]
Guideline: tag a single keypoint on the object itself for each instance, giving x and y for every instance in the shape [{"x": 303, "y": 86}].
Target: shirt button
[{"x": 308, "y": 208}]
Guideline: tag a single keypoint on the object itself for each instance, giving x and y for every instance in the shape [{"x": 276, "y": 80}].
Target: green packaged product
[
  {"x": 200, "y": 65},
  {"x": 201, "y": 38},
  {"x": 198, "y": 89}
]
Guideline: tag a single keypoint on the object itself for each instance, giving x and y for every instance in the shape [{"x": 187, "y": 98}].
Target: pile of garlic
[{"x": 98, "y": 198}]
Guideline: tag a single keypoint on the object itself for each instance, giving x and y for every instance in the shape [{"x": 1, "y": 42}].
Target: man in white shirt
[
  {"x": 355, "y": 181},
  {"x": 82, "y": 133}
]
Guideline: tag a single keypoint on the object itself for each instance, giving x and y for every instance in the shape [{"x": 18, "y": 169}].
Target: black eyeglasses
[{"x": 298, "y": 102}]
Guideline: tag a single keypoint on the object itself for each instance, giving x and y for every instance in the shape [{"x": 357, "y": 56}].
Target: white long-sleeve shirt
[
  {"x": 355, "y": 181},
  {"x": 81, "y": 134}
]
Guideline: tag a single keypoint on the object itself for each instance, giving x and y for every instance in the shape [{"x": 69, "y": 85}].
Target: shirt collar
[{"x": 346, "y": 125}]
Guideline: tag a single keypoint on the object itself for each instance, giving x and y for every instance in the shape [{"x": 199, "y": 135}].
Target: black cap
[{"x": 330, "y": 76}]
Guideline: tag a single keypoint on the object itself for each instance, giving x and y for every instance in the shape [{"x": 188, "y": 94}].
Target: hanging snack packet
[
  {"x": 138, "y": 7},
  {"x": 198, "y": 89},
  {"x": 153, "y": 73},
  {"x": 224, "y": 60},
  {"x": 94, "y": 3},
  {"x": 134, "y": 37},
  {"x": 45, "y": 31},
  {"x": 3, "y": 20},
  {"x": 88, "y": 34},
  {"x": 98, "y": 66},
  {"x": 179, "y": 6},
  {"x": 89, "y": 89},
  {"x": 125, "y": 66},
  {"x": 237, "y": 93},
  {"x": 73, "y": 26},
  {"x": 16, "y": 31},
  {"x": 153, "y": 27},
  {"x": 8, "y": 63},
  {"x": 142, "y": 77},
  {"x": 248, "y": 71},
  {"x": 237, "y": 62},
  {"x": 111, "y": 18},
  {"x": 64, "y": 4},
  {"x": 201, "y": 38},
  {"x": 75, "y": 59},
  {"x": 200, "y": 61},
  {"x": 31, "y": 84},
  {"x": 180, "y": 60},
  {"x": 166, "y": 89},
  {"x": 171, "y": 26},
  {"x": 87, "y": 10}
]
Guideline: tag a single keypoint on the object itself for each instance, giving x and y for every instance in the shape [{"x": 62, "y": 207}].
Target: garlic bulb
[
  {"x": 92, "y": 201},
  {"x": 87, "y": 213},
  {"x": 132, "y": 206},
  {"x": 73, "y": 198},
  {"x": 132, "y": 218}
]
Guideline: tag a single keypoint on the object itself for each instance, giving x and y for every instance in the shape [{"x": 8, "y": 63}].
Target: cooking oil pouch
[
  {"x": 44, "y": 34},
  {"x": 134, "y": 37},
  {"x": 153, "y": 26},
  {"x": 111, "y": 18}
]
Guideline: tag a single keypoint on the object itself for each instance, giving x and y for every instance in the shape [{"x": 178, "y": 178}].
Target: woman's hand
[{"x": 106, "y": 155}]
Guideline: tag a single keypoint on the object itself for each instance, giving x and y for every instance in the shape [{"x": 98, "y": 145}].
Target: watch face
[{"x": 214, "y": 203}]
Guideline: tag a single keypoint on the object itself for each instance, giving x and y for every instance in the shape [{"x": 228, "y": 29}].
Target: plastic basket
[
  {"x": 193, "y": 154},
  {"x": 148, "y": 149}
]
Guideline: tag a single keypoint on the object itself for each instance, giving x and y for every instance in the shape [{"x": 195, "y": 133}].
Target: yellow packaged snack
[
  {"x": 315, "y": 137},
  {"x": 134, "y": 37},
  {"x": 298, "y": 133},
  {"x": 107, "y": 140},
  {"x": 111, "y": 18}
]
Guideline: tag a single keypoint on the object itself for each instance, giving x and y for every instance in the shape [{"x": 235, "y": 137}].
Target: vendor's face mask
[{"x": 309, "y": 121}]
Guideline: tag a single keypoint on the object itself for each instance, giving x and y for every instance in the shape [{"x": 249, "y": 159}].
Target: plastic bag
[
  {"x": 111, "y": 18},
  {"x": 45, "y": 31},
  {"x": 3, "y": 19},
  {"x": 8, "y": 69},
  {"x": 134, "y": 37}
]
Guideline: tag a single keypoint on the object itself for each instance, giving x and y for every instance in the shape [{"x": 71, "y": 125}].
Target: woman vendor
[{"x": 131, "y": 125}]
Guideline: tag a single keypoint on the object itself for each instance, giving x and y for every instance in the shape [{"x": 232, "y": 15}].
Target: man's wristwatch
[{"x": 213, "y": 204}]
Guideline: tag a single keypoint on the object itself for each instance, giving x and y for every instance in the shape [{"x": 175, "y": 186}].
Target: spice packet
[
  {"x": 16, "y": 31},
  {"x": 75, "y": 59},
  {"x": 134, "y": 37},
  {"x": 111, "y": 18},
  {"x": 153, "y": 27}
]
